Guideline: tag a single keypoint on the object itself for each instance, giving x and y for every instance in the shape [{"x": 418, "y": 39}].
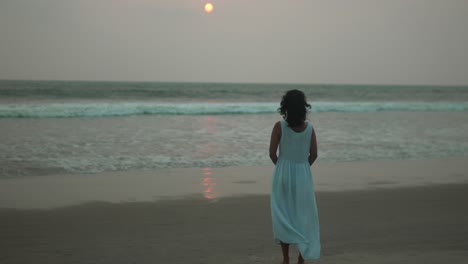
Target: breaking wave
[{"x": 64, "y": 110}]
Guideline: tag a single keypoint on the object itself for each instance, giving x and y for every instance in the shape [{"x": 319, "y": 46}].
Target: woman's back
[{"x": 294, "y": 146}]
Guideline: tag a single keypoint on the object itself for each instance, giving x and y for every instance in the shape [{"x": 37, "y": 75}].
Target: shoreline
[{"x": 215, "y": 184}]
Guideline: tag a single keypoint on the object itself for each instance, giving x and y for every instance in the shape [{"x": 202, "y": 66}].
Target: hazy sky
[{"x": 289, "y": 41}]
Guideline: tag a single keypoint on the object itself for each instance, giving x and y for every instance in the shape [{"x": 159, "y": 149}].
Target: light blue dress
[{"x": 293, "y": 207}]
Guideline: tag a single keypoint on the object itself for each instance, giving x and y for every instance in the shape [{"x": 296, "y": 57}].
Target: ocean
[{"x": 84, "y": 127}]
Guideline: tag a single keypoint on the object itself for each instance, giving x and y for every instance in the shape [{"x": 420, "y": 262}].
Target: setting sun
[{"x": 209, "y": 8}]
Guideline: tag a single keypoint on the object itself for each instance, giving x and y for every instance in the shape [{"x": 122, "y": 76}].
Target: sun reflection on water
[{"x": 206, "y": 150}]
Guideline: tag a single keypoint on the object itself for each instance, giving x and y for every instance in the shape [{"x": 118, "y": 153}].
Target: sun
[{"x": 209, "y": 8}]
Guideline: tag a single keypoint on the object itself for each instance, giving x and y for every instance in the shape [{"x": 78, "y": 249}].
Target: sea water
[{"x": 76, "y": 127}]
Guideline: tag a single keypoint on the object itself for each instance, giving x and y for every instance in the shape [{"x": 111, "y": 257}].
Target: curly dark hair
[{"x": 294, "y": 107}]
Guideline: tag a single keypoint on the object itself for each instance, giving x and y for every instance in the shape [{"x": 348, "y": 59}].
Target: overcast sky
[{"x": 288, "y": 41}]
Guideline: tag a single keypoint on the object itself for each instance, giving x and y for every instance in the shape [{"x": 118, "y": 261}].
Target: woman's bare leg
[
  {"x": 300, "y": 259},
  {"x": 285, "y": 250}
]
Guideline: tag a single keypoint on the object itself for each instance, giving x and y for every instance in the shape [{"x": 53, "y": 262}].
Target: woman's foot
[{"x": 285, "y": 261}]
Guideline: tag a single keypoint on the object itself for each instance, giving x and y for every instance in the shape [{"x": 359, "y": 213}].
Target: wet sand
[
  {"x": 46, "y": 192},
  {"x": 402, "y": 225},
  {"x": 425, "y": 223}
]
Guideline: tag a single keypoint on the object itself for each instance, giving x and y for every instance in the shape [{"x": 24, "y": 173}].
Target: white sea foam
[
  {"x": 105, "y": 109},
  {"x": 36, "y": 147}
]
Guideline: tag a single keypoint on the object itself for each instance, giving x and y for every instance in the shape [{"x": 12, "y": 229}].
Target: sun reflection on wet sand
[{"x": 209, "y": 185}]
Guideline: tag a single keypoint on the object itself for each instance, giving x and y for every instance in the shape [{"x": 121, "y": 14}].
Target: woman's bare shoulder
[{"x": 277, "y": 127}]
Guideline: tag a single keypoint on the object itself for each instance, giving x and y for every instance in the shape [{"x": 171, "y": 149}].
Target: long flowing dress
[{"x": 293, "y": 207}]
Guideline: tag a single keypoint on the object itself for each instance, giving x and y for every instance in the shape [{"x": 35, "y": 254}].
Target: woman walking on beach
[{"x": 293, "y": 207}]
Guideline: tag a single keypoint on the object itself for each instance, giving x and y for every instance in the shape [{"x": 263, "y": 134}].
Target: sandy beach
[{"x": 418, "y": 215}]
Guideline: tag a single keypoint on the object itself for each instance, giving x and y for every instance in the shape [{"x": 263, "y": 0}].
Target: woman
[{"x": 293, "y": 207}]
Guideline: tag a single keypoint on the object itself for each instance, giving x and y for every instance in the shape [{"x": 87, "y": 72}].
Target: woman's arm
[
  {"x": 313, "y": 148},
  {"x": 274, "y": 141}
]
